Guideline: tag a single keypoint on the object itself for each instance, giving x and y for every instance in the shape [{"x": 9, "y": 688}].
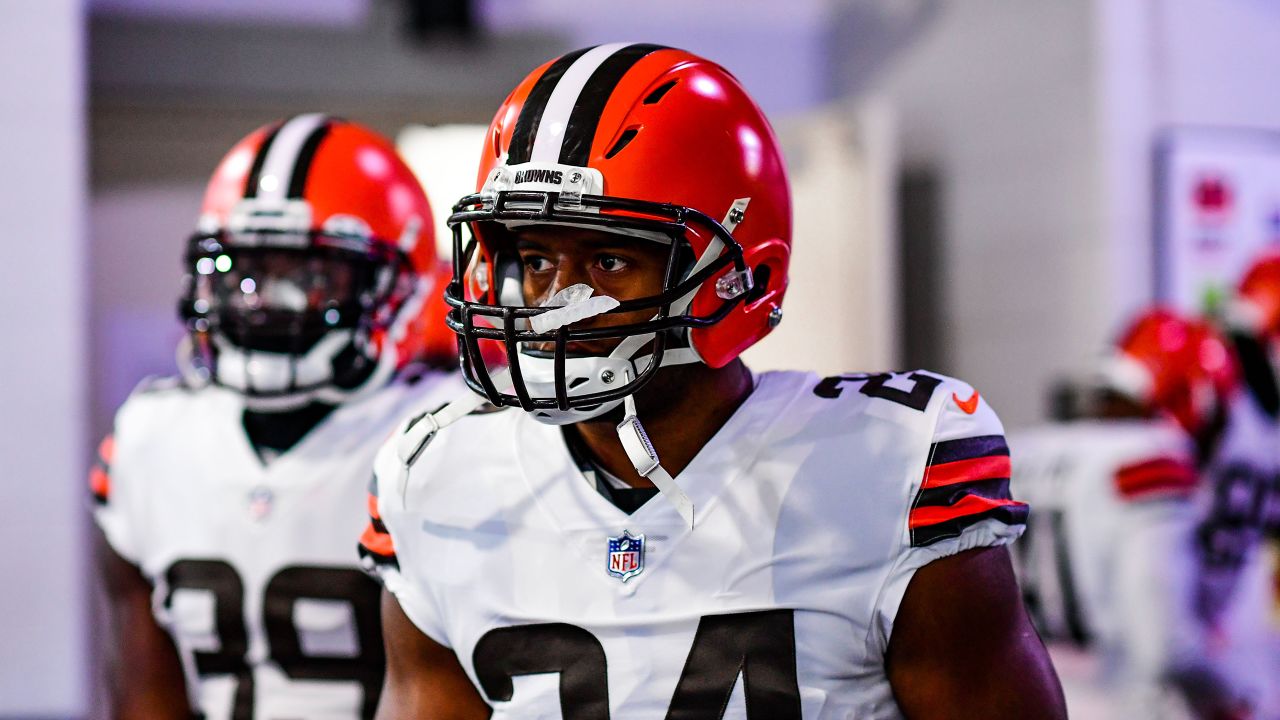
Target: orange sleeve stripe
[
  {"x": 958, "y": 471},
  {"x": 967, "y": 505},
  {"x": 376, "y": 542},
  {"x": 107, "y": 449},
  {"x": 99, "y": 483},
  {"x": 372, "y": 503},
  {"x": 1159, "y": 475}
]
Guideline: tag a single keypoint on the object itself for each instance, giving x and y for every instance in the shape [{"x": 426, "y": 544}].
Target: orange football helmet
[
  {"x": 1174, "y": 365},
  {"x": 1257, "y": 301},
  {"x": 648, "y": 142},
  {"x": 313, "y": 272}
]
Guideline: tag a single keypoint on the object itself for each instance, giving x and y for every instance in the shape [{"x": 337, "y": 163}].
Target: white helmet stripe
[
  {"x": 283, "y": 155},
  {"x": 555, "y": 118}
]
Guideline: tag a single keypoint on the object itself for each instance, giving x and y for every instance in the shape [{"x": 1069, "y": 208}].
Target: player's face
[
  {"x": 275, "y": 280},
  {"x": 623, "y": 268}
]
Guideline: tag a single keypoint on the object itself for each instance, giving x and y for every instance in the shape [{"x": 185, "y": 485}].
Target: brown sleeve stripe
[
  {"x": 949, "y": 451},
  {"x": 965, "y": 482}
]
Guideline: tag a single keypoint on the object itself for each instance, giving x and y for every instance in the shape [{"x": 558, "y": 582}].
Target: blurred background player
[
  {"x": 1241, "y": 505},
  {"x": 1110, "y": 555},
  {"x": 227, "y": 498}
]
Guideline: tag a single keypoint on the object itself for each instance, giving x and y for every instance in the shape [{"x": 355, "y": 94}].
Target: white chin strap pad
[
  {"x": 280, "y": 381},
  {"x": 587, "y": 375},
  {"x": 268, "y": 372},
  {"x": 583, "y": 375}
]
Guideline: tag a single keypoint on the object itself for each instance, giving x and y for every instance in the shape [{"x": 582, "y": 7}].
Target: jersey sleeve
[
  {"x": 123, "y": 477},
  {"x": 377, "y": 549},
  {"x": 110, "y": 492},
  {"x": 1165, "y": 467},
  {"x": 960, "y": 499},
  {"x": 386, "y": 548}
]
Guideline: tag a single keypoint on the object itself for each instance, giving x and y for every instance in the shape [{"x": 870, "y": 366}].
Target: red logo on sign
[{"x": 1212, "y": 197}]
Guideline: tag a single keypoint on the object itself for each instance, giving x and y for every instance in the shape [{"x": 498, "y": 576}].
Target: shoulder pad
[{"x": 161, "y": 383}]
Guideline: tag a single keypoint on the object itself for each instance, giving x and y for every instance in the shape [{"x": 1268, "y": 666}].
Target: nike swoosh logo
[{"x": 970, "y": 406}]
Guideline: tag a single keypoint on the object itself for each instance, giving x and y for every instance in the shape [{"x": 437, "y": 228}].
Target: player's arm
[
  {"x": 144, "y": 673},
  {"x": 424, "y": 678},
  {"x": 963, "y": 647},
  {"x": 961, "y": 644}
]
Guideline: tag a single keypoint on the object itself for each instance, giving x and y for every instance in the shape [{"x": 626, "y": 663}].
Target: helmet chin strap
[
  {"x": 644, "y": 458},
  {"x": 631, "y": 433},
  {"x": 422, "y": 429}
]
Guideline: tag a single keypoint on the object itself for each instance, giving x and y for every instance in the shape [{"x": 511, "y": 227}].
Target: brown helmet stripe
[
  {"x": 526, "y": 129},
  {"x": 580, "y": 131},
  {"x": 255, "y": 171}
]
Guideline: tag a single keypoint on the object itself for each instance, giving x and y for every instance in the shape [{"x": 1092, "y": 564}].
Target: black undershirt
[
  {"x": 628, "y": 499},
  {"x": 274, "y": 433}
]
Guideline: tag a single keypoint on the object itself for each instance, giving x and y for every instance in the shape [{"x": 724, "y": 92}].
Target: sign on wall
[{"x": 1217, "y": 207}]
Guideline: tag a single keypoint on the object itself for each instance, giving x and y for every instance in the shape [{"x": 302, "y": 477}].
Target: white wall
[
  {"x": 999, "y": 97},
  {"x": 841, "y": 303},
  {"x": 43, "y": 366},
  {"x": 1218, "y": 62}
]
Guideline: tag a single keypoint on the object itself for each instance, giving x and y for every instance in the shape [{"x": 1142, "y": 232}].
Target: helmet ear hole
[{"x": 760, "y": 284}]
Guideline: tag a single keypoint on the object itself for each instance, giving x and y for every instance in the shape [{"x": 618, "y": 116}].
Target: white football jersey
[
  {"x": 256, "y": 576},
  {"x": 1242, "y": 497},
  {"x": 1095, "y": 485},
  {"x": 1110, "y": 554},
  {"x": 815, "y": 504},
  {"x": 1238, "y": 506}
]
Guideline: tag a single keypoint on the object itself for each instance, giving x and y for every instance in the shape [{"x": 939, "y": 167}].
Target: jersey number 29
[{"x": 283, "y": 591}]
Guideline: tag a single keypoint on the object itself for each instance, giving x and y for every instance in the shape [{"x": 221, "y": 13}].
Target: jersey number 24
[{"x": 760, "y": 645}]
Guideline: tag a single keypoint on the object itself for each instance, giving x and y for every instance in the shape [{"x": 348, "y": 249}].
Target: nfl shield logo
[
  {"x": 626, "y": 556},
  {"x": 260, "y": 501}
]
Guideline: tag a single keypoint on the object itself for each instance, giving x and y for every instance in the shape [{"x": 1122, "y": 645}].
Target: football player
[
  {"x": 649, "y": 529},
  {"x": 1244, "y": 503},
  {"x": 1110, "y": 559},
  {"x": 226, "y": 498},
  {"x": 1247, "y": 500}
]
